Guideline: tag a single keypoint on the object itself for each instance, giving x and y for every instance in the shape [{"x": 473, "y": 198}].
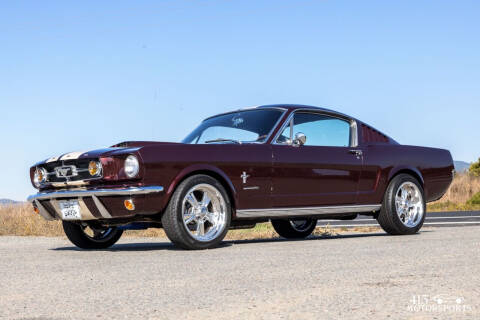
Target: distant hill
[
  {"x": 8, "y": 202},
  {"x": 461, "y": 166}
]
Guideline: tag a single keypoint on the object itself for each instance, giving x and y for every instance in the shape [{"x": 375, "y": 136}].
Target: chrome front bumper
[{"x": 80, "y": 194}]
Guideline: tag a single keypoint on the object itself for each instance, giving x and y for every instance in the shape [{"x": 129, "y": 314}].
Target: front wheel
[
  {"x": 91, "y": 237},
  {"x": 294, "y": 229},
  {"x": 199, "y": 213},
  {"x": 404, "y": 207}
]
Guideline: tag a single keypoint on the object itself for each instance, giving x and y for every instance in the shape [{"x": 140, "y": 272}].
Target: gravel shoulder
[{"x": 350, "y": 276}]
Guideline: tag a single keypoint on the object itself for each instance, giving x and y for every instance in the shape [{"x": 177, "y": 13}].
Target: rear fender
[{"x": 406, "y": 169}]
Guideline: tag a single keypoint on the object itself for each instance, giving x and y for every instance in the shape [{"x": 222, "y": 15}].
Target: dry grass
[
  {"x": 20, "y": 220},
  {"x": 463, "y": 188}
]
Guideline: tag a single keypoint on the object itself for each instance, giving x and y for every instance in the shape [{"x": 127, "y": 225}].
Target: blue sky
[{"x": 78, "y": 76}]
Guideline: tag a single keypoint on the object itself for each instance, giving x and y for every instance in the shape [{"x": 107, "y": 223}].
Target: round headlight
[
  {"x": 131, "y": 166},
  {"x": 39, "y": 177},
  {"x": 95, "y": 168}
]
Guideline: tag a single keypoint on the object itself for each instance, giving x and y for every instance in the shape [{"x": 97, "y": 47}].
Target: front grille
[{"x": 69, "y": 171}]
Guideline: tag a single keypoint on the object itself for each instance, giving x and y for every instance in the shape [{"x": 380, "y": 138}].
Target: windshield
[{"x": 249, "y": 126}]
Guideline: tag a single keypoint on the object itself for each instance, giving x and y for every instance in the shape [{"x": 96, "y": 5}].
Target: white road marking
[
  {"x": 377, "y": 225},
  {"x": 431, "y": 218},
  {"x": 427, "y": 219},
  {"x": 350, "y": 225},
  {"x": 457, "y": 222}
]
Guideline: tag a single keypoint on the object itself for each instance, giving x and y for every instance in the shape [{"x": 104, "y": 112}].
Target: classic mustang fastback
[{"x": 289, "y": 164}]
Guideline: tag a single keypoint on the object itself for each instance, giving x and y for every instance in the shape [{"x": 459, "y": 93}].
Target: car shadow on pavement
[
  {"x": 311, "y": 238},
  {"x": 329, "y": 237},
  {"x": 141, "y": 246},
  {"x": 157, "y": 246}
]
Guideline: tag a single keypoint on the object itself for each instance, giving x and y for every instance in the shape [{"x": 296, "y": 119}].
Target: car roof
[
  {"x": 292, "y": 107},
  {"x": 288, "y": 107}
]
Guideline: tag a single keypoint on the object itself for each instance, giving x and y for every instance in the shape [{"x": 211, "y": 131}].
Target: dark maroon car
[{"x": 289, "y": 164}]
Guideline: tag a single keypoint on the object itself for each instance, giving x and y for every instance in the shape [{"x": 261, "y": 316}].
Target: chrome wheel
[
  {"x": 409, "y": 204},
  {"x": 301, "y": 225},
  {"x": 204, "y": 212}
]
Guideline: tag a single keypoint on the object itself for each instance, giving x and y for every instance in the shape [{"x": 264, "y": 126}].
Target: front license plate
[{"x": 70, "y": 210}]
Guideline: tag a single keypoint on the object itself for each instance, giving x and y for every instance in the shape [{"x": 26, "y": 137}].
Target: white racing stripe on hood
[
  {"x": 72, "y": 155},
  {"x": 53, "y": 159}
]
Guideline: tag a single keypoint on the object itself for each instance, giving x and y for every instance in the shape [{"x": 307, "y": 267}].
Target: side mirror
[{"x": 300, "y": 139}]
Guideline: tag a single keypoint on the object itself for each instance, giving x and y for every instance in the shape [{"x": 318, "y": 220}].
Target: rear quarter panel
[{"x": 433, "y": 167}]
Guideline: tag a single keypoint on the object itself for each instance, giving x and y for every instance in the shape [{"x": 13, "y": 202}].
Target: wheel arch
[
  {"x": 208, "y": 170},
  {"x": 407, "y": 170}
]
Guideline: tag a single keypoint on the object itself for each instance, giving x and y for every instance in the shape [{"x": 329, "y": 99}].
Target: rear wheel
[
  {"x": 199, "y": 213},
  {"x": 294, "y": 229},
  {"x": 91, "y": 237},
  {"x": 404, "y": 207}
]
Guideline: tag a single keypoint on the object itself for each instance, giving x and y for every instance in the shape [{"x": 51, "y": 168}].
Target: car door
[{"x": 325, "y": 170}]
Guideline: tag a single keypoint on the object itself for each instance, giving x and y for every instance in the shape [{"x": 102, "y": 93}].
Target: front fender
[{"x": 205, "y": 169}]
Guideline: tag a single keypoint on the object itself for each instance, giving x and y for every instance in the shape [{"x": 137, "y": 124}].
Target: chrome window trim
[
  {"x": 353, "y": 126},
  {"x": 353, "y": 133},
  {"x": 283, "y": 127},
  {"x": 306, "y": 211}
]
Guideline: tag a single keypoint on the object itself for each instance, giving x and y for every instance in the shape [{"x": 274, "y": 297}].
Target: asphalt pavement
[{"x": 431, "y": 275}]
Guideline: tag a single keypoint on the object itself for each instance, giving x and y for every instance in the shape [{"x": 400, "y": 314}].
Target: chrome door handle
[{"x": 358, "y": 153}]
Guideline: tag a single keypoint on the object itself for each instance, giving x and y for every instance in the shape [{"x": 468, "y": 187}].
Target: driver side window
[{"x": 320, "y": 130}]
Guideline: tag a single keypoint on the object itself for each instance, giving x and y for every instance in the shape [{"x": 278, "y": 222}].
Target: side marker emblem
[{"x": 244, "y": 177}]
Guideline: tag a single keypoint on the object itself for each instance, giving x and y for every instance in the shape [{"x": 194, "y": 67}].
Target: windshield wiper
[{"x": 224, "y": 140}]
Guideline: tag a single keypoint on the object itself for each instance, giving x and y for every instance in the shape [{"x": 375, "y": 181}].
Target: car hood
[
  {"x": 115, "y": 150},
  {"x": 129, "y": 144}
]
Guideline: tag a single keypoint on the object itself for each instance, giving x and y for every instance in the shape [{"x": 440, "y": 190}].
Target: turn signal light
[
  {"x": 129, "y": 205},
  {"x": 36, "y": 210}
]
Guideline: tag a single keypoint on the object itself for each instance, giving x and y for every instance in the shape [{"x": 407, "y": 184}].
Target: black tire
[
  {"x": 388, "y": 218},
  {"x": 172, "y": 219},
  {"x": 76, "y": 234},
  {"x": 287, "y": 228}
]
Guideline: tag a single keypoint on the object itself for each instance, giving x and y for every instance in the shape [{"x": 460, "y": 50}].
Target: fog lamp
[
  {"x": 129, "y": 205},
  {"x": 95, "y": 168}
]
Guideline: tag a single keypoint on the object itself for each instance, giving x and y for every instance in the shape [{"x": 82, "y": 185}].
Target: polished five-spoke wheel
[
  {"x": 204, "y": 212},
  {"x": 199, "y": 213},
  {"x": 409, "y": 204},
  {"x": 403, "y": 209}
]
